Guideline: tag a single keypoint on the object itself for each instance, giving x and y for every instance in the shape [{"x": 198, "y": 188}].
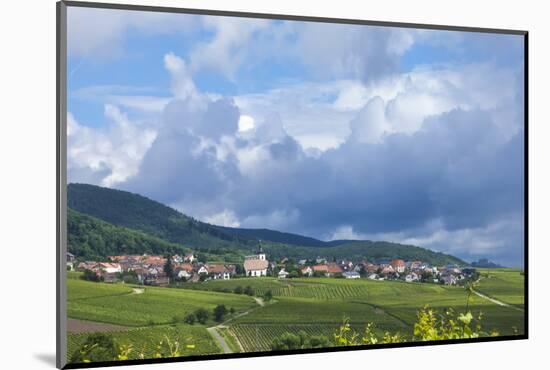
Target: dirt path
[
  {"x": 213, "y": 330},
  {"x": 214, "y": 333},
  {"x": 137, "y": 290},
  {"x": 496, "y": 301}
]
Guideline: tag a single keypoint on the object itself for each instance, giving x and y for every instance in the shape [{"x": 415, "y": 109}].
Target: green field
[
  {"x": 155, "y": 306},
  {"x": 506, "y": 285},
  {"x": 314, "y": 305}
]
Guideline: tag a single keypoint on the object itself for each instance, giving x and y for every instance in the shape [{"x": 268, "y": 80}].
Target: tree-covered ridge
[
  {"x": 94, "y": 239},
  {"x": 132, "y": 214},
  {"x": 140, "y": 213},
  {"x": 370, "y": 250}
]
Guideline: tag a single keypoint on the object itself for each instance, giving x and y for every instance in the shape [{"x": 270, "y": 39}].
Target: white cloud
[
  {"x": 100, "y": 33},
  {"x": 106, "y": 157},
  {"x": 346, "y": 232},
  {"x": 225, "y": 218},
  {"x": 246, "y": 123},
  {"x": 228, "y": 48}
]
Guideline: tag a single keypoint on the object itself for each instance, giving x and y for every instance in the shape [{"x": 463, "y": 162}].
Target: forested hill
[
  {"x": 125, "y": 213},
  {"x": 277, "y": 236},
  {"x": 140, "y": 213},
  {"x": 93, "y": 239}
]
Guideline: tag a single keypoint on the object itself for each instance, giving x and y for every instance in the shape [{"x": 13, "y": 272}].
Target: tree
[
  {"x": 219, "y": 312},
  {"x": 238, "y": 290},
  {"x": 239, "y": 270},
  {"x": 248, "y": 290},
  {"x": 202, "y": 315},
  {"x": 168, "y": 268},
  {"x": 268, "y": 296}
]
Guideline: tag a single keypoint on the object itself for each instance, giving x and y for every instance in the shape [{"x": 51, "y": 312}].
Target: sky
[{"x": 328, "y": 130}]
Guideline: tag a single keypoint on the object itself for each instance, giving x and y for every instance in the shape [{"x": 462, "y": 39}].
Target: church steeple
[
  {"x": 260, "y": 250},
  {"x": 260, "y": 253}
]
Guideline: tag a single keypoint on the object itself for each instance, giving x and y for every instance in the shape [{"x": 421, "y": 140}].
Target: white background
[{"x": 27, "y": 190}]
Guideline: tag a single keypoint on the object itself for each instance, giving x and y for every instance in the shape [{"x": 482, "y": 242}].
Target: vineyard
[
  {"x": 116, "y": 304},
  {"x": 315, "y": 305},
  {"x": 256, "y": 338},
  {"x": 192, "y": 340}
]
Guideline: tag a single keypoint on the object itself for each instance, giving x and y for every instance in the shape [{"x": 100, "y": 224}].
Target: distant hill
[
  {"x": 485, "y": 263},
  {"x": 369, "y": 250},
  {"x": 172, "y": 229},
  {"x": 277, "y": 236}
]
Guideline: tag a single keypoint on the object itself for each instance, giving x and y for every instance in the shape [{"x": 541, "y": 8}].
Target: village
[{"x": 155, "y": 270}]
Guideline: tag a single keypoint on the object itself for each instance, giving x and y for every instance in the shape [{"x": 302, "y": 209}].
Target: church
[{"x": 256, "y": 265}]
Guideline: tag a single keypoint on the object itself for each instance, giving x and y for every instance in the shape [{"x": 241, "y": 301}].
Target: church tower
[{"x": 260, "y": 253}]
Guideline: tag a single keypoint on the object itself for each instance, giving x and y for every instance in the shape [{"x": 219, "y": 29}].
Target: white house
[
  {"x": 256, "y": 265},
  {"x": 306, "y": 271},
  {"x": 110, "y": 268},
  {"x": 283, "y": 274},
  {"x": 202, "y": 270},
  {"x": 218, "y": 271},
  {"x": 182, "y": 274},
  {"x": 411, "y": 277},
  {"x": 189, "y": 257},
  {"x": 351, "y": 275},
  {"x": 70, "y": 261}
]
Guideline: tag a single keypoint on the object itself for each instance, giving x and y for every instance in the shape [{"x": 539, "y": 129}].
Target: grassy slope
[
  {"x": 89, "y": 301},
  {"x": 506, "y": 285},
  {"x": 150, "y": 313}
]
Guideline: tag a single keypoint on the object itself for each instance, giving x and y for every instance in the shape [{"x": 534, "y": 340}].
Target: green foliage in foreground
[
  {"x": 96, "y": 347},
  {"x": 150, "y": 342},
  {"x": 430, "y": 326}
]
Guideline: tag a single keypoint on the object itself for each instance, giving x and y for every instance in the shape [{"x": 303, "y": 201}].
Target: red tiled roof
[
  {"x": 397, "y": 262},
  {"x": 323, "y": 268},
  {"x": 334, "y": 268},
  {"x": 216, "y": 268},
  {"x": 255, "y": 264}
]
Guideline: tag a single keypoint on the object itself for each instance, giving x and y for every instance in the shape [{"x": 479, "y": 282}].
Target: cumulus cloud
[
  {"x": 366, "y": 53},
  {"x": 106, "y": 157}
]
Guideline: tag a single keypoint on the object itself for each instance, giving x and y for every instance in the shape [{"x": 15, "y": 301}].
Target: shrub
[
  {"x": 90, "y": 276},
  {"x": 248, "y": 290},
  {"x": 202, "y": 315},
  {"x": 268, "y": 296},
  {"x": 96, "y": 347},
  {"x": 238, "y": 290}
]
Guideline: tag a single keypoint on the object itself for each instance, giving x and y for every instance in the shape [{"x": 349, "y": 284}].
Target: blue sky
[{"x": 328, "y": 130}]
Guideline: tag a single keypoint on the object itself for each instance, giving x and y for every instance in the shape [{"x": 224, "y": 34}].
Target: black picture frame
[{"x": 61, "y": 194}]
